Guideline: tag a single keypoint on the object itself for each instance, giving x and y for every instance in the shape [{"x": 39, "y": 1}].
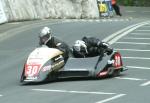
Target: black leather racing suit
[
  {"x": 56, "y": 43},
  {"x": 94, "y": 48}
]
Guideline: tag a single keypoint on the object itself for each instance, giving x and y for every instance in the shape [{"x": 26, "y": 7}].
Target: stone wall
[{"x": 17, "y": 10}]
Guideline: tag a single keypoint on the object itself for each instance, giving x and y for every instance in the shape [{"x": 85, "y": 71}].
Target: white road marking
[
  {"x": 112, "y": 98},
  {"x": 1, "y": 95},
  {"x": 66, "y": 91},
  {"x": 132, "y": 50},
  {"x": 146, "y": 11},
  {"x": 14, "y": 23},
  {"x": 104, "y": 20},
  {"x": 145, "y": 84},
  {"x": 142, "y": 30},
  {"x": 140, "y": 58},
  {"x": 124, "y": 32},
  {"x": 146, "y": 26},
  {"x": 140, "y": 34},
  {"x": 145, "y": 68},
  {"x": 136, "y": 38},
  {"x": 16, "y": 31},
  {"x": 127, "y": 78},
  {"x": 97, "y": 20},
  {"x": 84, "y": 92},
  {"x": 130, "y": 11},
  {"x": 134, "y": 43},
  {"x": 110, "y": 20},
  {"x": 119, "y": 34}
]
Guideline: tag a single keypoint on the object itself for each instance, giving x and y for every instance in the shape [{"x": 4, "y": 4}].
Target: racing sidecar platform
[
  {"x": 90, "y": 67},
  {"x": 45, "y": 63}
]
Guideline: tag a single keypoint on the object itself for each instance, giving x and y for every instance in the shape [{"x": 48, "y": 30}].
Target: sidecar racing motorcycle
[{"x": 45, "y": 63}]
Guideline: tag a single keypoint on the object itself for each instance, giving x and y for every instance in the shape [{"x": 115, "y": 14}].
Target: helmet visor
[{"x": 44, "y": 39}]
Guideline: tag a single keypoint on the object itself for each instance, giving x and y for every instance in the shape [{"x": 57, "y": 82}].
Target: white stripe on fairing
[
  {"x": 135, "y": 67},
  {"x": 145, "y": 84},
  {"x": 132, "y": 50},
  {"x": 77, "y": 69},
  {"x": 127, "y": 78},
  {"x": 136, "y": 38},
  {"x": 66, "y": 91},
  {"x": 141, "y": 58},
  {"x": 112, "y": 98},
  {"x": 134, "y": 43}
]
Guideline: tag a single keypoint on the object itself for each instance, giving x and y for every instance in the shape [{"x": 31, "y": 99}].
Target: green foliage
[{"x": 134, "y": 2}]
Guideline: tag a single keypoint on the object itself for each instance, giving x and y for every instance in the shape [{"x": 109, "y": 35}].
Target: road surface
[{"x": 129, "y": 34}]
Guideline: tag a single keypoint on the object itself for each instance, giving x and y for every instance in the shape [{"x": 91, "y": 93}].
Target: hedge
[{"x": 134, "y": 2}]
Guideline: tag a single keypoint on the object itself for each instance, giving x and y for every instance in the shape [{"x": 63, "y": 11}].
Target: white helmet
[
  {"x": 80, "y": 46},
  {"x": 45, "y": 31},
  {"x": 45, "y": 35}
]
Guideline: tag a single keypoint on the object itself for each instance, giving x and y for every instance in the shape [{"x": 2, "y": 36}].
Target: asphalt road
[{"x": 129, "y": 34}]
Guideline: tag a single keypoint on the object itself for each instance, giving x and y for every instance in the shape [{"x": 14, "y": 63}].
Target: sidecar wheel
[{"x": 116, "y": 73}]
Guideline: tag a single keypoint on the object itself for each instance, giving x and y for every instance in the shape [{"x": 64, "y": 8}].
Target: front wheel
[{"x": 22, "y": 76}]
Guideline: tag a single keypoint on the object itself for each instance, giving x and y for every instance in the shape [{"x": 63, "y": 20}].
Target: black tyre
[{"x": 116, "y": 73}]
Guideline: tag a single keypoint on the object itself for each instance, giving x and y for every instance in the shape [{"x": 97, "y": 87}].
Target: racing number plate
[
  {"x": 32, "y": 70},
  {"x": 118, "y": 60}
]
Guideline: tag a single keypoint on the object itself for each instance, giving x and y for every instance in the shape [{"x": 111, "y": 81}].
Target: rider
[
  {"x": 89, "y": 47},
  {"x": 46, "y": 38}
]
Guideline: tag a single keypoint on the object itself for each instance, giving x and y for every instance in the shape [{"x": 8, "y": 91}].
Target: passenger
[{"x": 90, "y": 47}]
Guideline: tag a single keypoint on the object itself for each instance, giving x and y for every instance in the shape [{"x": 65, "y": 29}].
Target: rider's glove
[
  {"x": 109, "y": 51},
  {"x": 103, "y": 45}
]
